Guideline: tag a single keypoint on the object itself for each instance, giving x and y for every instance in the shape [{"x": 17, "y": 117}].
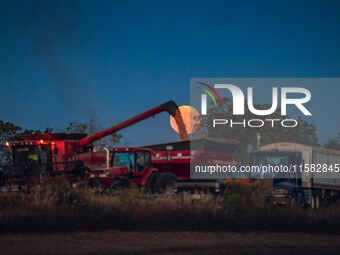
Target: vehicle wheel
[
  {"x": 96, "y": 185},
  {"x": 117, "y": 188},
  {"x": 151, "y": 185},
  {"x": 317, "y": 202},
  {"x": 167, "y": 183}
]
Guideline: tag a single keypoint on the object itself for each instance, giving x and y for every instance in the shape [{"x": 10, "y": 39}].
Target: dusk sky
[{"x": 64, "y": 61}]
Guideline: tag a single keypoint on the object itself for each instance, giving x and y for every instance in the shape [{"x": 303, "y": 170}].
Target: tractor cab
[
  {"x": 131, "y": 165},
  {"x": 134, "y": 159}
]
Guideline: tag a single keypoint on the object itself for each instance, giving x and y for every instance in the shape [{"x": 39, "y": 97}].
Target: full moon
[{"x": 191, "y": 119}]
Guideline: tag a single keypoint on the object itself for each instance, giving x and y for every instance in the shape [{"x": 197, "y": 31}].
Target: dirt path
[{"x": 121, "y": 242}]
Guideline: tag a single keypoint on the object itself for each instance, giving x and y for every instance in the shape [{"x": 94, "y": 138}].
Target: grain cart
[{"x": 176, "y": 158}]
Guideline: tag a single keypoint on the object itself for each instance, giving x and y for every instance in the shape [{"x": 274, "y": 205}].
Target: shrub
[{"x": 244, "y": 193}]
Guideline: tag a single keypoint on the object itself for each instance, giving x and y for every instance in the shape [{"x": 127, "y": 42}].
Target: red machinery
[
  {"x": 180, "y": 158},
  {"x": 164, "y": 167},
  {"x": 155, "y": 167},
  {"x": 60, "y": 153}
]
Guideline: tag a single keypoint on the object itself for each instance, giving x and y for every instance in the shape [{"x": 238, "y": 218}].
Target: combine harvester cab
[{"x": 37, "y": 155}]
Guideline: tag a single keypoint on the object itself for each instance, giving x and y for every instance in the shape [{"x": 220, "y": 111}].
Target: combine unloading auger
[{"x": 169, "y": 107}]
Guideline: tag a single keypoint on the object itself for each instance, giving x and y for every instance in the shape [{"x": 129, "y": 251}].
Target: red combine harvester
[
  {"x": 156, "y": 168},
  {"x": 70, "y": 155}
]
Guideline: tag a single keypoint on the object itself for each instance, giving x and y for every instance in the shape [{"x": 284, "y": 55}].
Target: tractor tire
[
  {"x": 152, "y": 184},
  {"x": 117, "y": 188},
  {"x": 167, "y": 183}
]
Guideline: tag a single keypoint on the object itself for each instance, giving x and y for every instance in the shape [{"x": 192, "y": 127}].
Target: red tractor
[
  {"x": 72, "y": 156},
  {"x": 180, "y": 158},
  {"x": 166, "y": 168},
  {"x": 131, "y": 165}
]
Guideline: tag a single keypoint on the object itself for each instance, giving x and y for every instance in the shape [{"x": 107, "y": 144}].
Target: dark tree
[
  {"x": 333, "y": 143},
  {"x": 8, "y": 131},
  {"x": 91, "y": 128}
]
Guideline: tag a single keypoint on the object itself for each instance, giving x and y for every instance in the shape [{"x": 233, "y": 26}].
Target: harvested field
[
  {"x": 174, "y": 242},
  {"x": 62, "y": 220}
]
